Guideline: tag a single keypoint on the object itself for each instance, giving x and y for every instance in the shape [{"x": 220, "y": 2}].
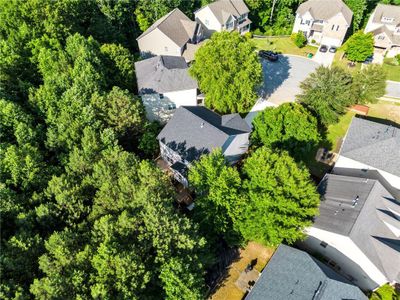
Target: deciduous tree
[
  {"x": 228, "y": 71},
  {"x": 359, "y": 46},
  {"x": 369, "y": 84}
]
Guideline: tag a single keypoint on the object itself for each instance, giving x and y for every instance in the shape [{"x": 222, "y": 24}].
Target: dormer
[
  {"x": 397, "y": 30},
  {"x": 387, "y": 20}
]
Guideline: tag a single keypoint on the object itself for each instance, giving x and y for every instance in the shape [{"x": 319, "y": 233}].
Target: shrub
[
  {"x": 397, "y": 59},
  {"x": 299, "y": 39},
  {"x": 258, "y": 32}
]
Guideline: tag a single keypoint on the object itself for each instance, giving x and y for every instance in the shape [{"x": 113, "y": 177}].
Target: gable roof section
[
  {"x": 374, "y": 144},
  {"x": 162, "y": 74},
  {"x": 196, "y": 130},
  {"x": 223, "y": 9},
  {"x": 370, "y": 221},
  {"x": 325, "y": 9},
  {"x": 295, "y": 275},
  {"x": 389, "y": 11},
  {"x": 175, "y": 25},
  {"x": 394, "y": 39}
]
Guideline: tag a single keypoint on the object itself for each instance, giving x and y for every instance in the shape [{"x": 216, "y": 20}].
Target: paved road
[
  {"x": 281, "y": 81},
  {"x": 393, "y": 89}
]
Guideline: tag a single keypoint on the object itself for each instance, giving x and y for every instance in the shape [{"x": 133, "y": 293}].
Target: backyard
[
  {"x": 229, "y": 288},
  {"x": 283, "y": 45}
]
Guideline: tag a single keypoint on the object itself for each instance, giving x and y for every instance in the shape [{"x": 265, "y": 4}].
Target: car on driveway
[
  {"x": 369, "y": 59},
  {"x": 323, "y": 48},
  {"x": 270, "y": 55},
  {"x": 332, "y": 49}
]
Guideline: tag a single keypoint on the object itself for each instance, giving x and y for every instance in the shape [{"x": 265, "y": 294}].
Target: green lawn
[
  {"x": 392, "y": 70},
  {"x": 336, "y": 132},
  {"x": 341, "y": 61},
  {"x": 284, "y": 45}
]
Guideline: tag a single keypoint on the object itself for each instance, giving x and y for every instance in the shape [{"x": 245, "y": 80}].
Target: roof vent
[
  {"x": 355, "y": 201},
  {"x": 201, "y": 124}
]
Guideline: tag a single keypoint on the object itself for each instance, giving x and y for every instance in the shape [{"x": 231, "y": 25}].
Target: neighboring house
[
  {"x": 222, "y": 15},
  {"x": 324, "y": 21},
  {"x": 370, "y": 145},
  {"x": 196, "y": 130},
  {"x": 164, "y": 84},
  {"x": 384, "y": 24},
  {"x": 169, "y": 35},
  {"x": 357, "y": 230},
  {"x": 292, "y": 274}
]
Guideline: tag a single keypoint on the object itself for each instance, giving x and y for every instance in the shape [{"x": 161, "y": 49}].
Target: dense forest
[{"x": 84, "y": 211}]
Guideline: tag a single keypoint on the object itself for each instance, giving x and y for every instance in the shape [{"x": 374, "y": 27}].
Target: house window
[
  {"x": 206, "y": 22},
  {"x": 308, "y": 22},
  {"x": 161, "y": 96},
  {"x": 381, "y": 37},
  {"x": 333, "y": 27},
  {"x": 302, "y": 22},
  {"x": 171, "y": 106},
  {"x": 166, "y": 49},
  {"x": 337, "y": 27},
  {"x": 229, "y": 25},
  {"x": 323, "y": 244}
]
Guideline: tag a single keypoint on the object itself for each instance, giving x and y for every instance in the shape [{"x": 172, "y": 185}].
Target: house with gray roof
[
  {"x": 194, "y": 131},
  {"x": 324, "y": 21},
  {"x": 357, "y": 230},
  {"x": 292, "y": 274},
  {"x": 169, "y": 35},
  {"x": 164, "y": 84},
  {"x": 370, "y": 145},
  {"x": 384, "y": 24},
  {"x": 223, "y": 15}
]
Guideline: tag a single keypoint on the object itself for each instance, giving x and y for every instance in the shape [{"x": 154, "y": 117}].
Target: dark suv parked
[{"x": 270, "y": 55}]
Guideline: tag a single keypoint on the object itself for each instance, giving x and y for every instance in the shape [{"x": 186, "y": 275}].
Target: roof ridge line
[
  {"x": 369, "y": 193},
  {"x": 207, "y": 121}
]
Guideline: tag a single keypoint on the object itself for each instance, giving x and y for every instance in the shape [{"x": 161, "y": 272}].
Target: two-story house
[
  {"x": 169, "y": 35},
  {"x": 194, "y": 131},
  {"x": 384, "y": 24},
  {"x": 164, "y": 84},
  {"x": 357, "y": 230},
  {"x": 324, "y": 22},
  {"x": 224, "y": 15}
]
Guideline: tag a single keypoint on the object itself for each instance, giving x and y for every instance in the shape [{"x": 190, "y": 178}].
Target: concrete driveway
[
  {"x": 392, "y": 89},
  {"x": 324, "y": 59},
  {"x": 281, "y": 81}
]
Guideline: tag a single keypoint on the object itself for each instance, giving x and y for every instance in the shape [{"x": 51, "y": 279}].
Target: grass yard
[
  {"x": 392, "y": 69},
  {"x": 228, "y": 289},
  {"x": 284, "y": 45},
  {"x": 336, "y": 132},
  {"x": 385, "y": 110},
  {"x": 341, "y": 61}
]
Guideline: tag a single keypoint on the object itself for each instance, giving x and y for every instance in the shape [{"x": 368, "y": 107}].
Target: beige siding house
[
  {"x": 222, "y": 15},
  {"x": 169, "y": 35},
  {"x": 384, "y": 24},
  {"x": 324, "y": 21}
]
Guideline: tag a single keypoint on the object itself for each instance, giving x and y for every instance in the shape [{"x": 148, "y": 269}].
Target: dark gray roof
[
  {"x": 161, "y": 74},
  {"x": 374, "y": 144},
  {"x": 196, "y": 130},
  {"x": 292, "y": 274},
  {"x": 325, "y": 9},
  {"x": 369, "y": 221},
  {"x": 389, "y": 11},
  {"x": 222, "y": 9},
  {"x": 175, "y": 25}
]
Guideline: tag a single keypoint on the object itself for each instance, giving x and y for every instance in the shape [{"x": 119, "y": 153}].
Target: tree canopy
[
  {"x": 369, "y": 84},
  {"x": 327, "y": 92},
  {"x": 359, "y": 46},
  {"x": 289, "y": 126},
  {"x": 228, "y": 72}
]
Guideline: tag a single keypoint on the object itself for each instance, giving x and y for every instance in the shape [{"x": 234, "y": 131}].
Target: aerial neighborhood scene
[{"x": 200, "y": 149}]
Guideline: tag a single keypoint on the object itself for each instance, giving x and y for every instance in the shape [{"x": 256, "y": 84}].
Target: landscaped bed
[{"x": 283, "y": 45}]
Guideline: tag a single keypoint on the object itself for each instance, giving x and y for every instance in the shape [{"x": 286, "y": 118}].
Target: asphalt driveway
[
  {"x": 282, "y": 78},
  {"x": 281, "y": 81}
]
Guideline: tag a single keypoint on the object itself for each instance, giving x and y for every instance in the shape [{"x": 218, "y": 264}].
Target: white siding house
[{"x": 164, "y": 84}]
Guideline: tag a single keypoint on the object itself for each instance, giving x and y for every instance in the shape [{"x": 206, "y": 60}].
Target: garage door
[{"x": 330, "y": 42}]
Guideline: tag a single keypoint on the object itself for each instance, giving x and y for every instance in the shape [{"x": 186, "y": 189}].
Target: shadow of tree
[{"x": 274, "y": 74}]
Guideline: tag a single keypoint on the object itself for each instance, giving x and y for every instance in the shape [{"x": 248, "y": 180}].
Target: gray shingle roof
[
  {"x": 292, "y": 274},
  {"x": 367, "y": 222},
  {"x": 176, "y": 25},
  {"x": 222, "y": 9},
  {"x": 373, "y": 144},
  {"x": 196, "y": 130},
  {"x": 389, "y": 11},
  {"x": 161, "y": 74},
  {"x": 325, "y": 9}
]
